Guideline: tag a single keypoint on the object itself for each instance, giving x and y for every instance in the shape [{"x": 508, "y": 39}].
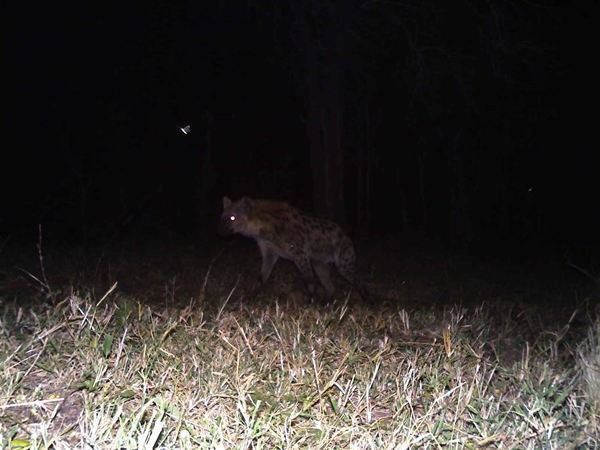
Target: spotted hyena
[{"x": 281, "y": 230}]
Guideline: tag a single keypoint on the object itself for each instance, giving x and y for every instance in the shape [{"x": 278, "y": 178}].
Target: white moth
[{"x": 185, "y": 130}]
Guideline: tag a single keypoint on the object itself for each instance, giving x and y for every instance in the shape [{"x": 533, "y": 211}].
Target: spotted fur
[{"x": 282, "y": 231}]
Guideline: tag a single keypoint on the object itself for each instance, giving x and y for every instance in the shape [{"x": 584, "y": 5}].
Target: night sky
[{"x": 96, "y": 93}]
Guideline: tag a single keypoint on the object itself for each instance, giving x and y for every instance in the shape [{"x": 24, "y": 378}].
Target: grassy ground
[{"x": 153, "y": 348}]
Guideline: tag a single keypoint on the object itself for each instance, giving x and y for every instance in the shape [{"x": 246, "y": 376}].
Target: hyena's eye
[{"x": 232, "y": 217}]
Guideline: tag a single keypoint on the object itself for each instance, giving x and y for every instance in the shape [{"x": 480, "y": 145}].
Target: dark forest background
[{"x": 470, "y": 122}]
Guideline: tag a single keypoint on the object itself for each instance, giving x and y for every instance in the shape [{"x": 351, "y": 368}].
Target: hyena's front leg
[{"x": 268, "y": 262}]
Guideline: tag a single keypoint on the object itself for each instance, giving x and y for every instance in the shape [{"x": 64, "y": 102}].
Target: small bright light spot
[
  {"x": 186, "y": 129},
  {"x": 232, "y": 218}
]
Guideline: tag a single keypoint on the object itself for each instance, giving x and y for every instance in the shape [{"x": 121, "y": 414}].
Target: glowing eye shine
[{"x": 232, "y": 218}]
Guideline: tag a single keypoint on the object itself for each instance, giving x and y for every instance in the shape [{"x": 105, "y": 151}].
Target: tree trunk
[
  {"x": 333, "y": 137},
  {"x": 325, "y": 103},
  {"x": 318, "y": 158},
  {"x": 207, "y": 172},
  {"x": 461, "y": 227}
]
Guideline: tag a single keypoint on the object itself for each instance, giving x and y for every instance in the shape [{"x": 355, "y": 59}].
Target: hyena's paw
[{"x": 310, "y": 290}]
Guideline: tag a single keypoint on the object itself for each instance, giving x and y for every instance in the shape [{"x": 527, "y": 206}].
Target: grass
[{"x": 155, "y": 350}]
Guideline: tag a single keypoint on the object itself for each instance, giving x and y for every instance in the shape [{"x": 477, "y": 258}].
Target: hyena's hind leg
[
  {"x": 321, "y": 268},
  {"x": 307, "y": 276},
  {"x": 345, "y": 261}
]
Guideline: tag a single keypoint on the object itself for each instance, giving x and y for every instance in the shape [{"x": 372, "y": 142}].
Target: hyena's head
[{"x": 235, "y": 217}]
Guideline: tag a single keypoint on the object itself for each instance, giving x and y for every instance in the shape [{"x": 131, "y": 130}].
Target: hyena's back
[{"x": 280, "y": 230}]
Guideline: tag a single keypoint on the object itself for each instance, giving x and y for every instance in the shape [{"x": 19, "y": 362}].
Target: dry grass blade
[{"x": 214, "y": 371}]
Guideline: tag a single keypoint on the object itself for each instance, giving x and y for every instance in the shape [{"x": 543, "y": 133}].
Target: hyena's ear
[
  {"x": 226, "y": 202},
  {"x": 246, "y": 205}
]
